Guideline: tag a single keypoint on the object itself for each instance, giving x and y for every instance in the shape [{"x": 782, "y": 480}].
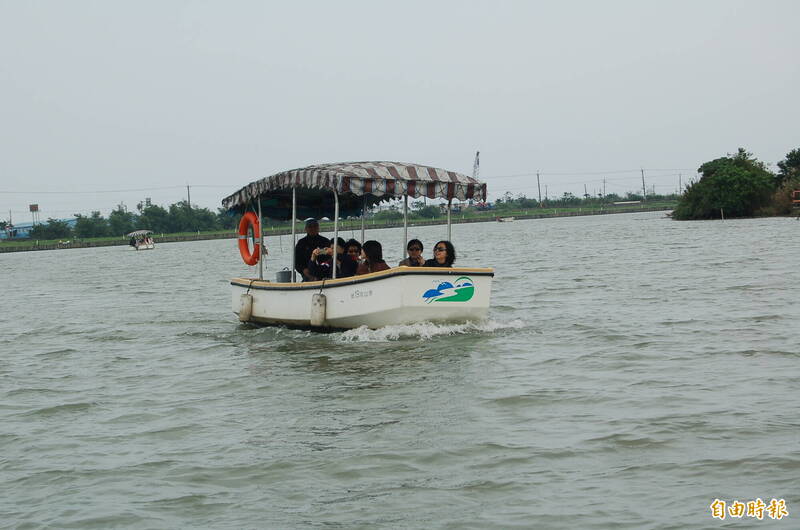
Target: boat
[
  {"x": 400, "y": 295},
  {"x": 504, "y": 219},
  {"x": 141, "y": 240}
]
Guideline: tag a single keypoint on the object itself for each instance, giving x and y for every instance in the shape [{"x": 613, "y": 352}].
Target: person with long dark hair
[
  {"x": 444, "y": 255},
  {"x": 353, "y": 249},
  {"x": 372, "y": 254}
]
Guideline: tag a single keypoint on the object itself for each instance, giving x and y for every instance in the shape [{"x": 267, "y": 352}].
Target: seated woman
[
  {"x": 444, "y": 255},
  {"x": 353, "y": 249},
  {"x": 321, "y": 263},
  {"x": 372, "y": 254},
  {"x": 414, "y": 258}
]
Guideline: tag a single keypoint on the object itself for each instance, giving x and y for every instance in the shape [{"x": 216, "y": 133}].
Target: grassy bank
[{"x": 274, "y": 229}]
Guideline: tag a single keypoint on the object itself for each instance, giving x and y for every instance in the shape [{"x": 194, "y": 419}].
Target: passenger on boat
[
  {"x": 372, "y": 254},
  {"x": 414, "y": 258},
  {"x": 353, "y": 249},
  {"x": 346, "y": 262},
  {"x": 444, "y": 255},
  {"x": 321, "y": 265},
  {"x": 305, "y": 246}
]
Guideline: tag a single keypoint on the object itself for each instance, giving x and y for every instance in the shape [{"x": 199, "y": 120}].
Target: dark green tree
[
  {"x": 180, "y": 216},
  {"x": 568, "y": 199},
  {"x": 120, "y": 222},
  {"x": 54, "y": 229},
  {"x": 204, "y": 219},
  {"x": 787, "y": 180},
  {"x": 739, "y": 185},
  {"x": 186, "y": 219},
  {"x": 225, "y": 220},
  {"x": 94, "y": 225},
  {"x": 522, "y": 202},
  {"x": 154, "y": 218},
  {"x": 506, "y": 202},
  {"x": 428, "y": 212},
  {"x": 789, "y": 167}
]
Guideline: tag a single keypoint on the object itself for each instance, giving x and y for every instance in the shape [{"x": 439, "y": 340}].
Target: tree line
[
  {"x": 182, "y": 217},
  {"x": 740, "y": 185},
  {"x": 178, "y": 217}
]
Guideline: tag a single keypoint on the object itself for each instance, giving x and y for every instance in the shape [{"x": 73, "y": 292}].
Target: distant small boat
[
  {"x": 504, "y": 219},
  {"x": 141, "y": 240}
]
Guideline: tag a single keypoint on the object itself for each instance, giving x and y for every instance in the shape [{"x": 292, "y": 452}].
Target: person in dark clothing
[
  {"x": 372, "y": 252},
  {"x": 321, "y": 265},
  {"x": 414, "y": 258},
  {"x": 353, "y": 249},
  {"x": 305, "y": 246},
  {"x": 345, "y": 261},
  {"x": 444, "y": 255}
]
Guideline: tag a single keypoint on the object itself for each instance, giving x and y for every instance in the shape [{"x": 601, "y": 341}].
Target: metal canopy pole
[
  {"x": 363, "y": 212},
  {"x": 404, "y": 252},
  {"x": 335, "y": 232},
  {"x": 260, "y": 244},
  {"x": 449, "y": 230},
  {"x": 294, "y": 233}
]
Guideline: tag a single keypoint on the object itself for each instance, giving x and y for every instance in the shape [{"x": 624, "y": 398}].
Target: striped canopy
[
  {"x": 356, "y": 183},
  {"x": 139, "y": 233}
]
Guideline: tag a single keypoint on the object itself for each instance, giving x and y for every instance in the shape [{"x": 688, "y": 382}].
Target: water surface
[{"x": 632, "y": 370}]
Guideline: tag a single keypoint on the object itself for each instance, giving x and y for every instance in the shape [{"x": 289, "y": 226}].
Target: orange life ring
[{"x": 249, "y": 219}]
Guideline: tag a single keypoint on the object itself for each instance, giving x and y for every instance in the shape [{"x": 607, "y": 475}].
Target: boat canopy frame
[
  {"x": 138, "y": 233},
  {"x": 348, "y": 189}
]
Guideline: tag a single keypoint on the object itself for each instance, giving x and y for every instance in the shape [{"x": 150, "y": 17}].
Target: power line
[{"x": 581, "y": 173}]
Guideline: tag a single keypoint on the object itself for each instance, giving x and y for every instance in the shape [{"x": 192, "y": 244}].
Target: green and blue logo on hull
[{"x": 460, "y": 290}]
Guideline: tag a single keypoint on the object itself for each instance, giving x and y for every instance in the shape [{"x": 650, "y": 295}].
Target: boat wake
[{"x": 423, "y": 330}]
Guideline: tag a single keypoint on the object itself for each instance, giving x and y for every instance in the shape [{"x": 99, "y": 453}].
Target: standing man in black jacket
[{"x": 305, "y": 246}]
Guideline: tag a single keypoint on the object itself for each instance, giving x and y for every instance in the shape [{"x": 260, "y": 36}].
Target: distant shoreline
[{"x": 167, "y": 238}]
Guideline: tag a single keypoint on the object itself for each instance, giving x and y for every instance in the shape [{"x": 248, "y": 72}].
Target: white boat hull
[
  {"x": 402, "y": 295},
  {"x": 150, "y": 246}
]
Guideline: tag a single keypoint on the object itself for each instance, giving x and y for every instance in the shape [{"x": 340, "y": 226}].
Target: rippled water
[{"x": 632, "y": 370}]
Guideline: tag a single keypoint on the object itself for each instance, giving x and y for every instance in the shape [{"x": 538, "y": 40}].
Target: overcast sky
[{"x": 107, "y": 96}]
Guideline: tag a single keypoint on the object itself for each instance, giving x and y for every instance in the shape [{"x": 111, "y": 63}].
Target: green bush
[
  {"x": 428, "y": 212},
  {"x": 92, "y": 226},
  {"x": 54, "y": 229},
  {"x": 388, "y": 215},
  {"x": 733, "y": 186}
]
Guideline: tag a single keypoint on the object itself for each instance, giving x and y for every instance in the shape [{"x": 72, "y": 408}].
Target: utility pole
[
  {"x": 585, "y": 193},
  {"x": 680, "y": 186},
  {"x": 538, "y": 185},
  {"x": 545, "y": 192},
  {"x": 604, "y": 187},
  {"x": 644, "y": 190},
  {"x": 188, "y": 198}
]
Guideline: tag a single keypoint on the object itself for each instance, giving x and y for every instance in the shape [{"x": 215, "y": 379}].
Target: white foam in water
[{"x": 423, "y": 330}]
